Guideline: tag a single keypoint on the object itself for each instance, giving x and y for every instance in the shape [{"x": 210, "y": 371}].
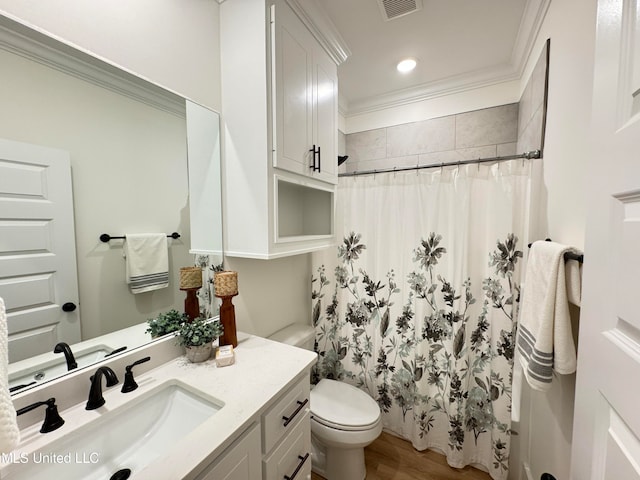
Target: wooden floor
[{"x": 391, "y": 458}]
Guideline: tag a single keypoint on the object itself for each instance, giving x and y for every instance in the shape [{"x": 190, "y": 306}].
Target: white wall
[
  {"x": 571, "y": 27},
  {"x": 173, "y": 43},
  {"x": 272, "y": 293}
]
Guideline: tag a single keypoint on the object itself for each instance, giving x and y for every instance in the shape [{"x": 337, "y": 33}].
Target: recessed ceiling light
[{"x": 406, "y": 65}]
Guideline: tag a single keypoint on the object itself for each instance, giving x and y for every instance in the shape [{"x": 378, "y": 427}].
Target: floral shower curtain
[{"x": 417, "y": 305}]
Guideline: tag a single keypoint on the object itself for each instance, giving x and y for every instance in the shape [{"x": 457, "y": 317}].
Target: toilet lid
[{"x": 343, "y": 406}]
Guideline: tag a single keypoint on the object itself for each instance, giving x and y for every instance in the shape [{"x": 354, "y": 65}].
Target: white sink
[
  {"x": 129, "y": 437},
  {"x": 52, "y": 366}
]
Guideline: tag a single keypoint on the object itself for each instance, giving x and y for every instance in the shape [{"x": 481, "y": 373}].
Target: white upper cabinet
[
  {"x": 305, "y": 94},
  {"x": 279, "y": 124}
]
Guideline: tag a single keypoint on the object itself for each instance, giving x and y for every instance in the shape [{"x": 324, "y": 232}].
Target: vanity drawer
[
  {"x": 292, "y": 457},
  {"x": 285, "y": 414}
]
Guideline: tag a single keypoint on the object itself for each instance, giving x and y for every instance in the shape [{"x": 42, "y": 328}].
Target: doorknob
[{"x": 68, "y": 307}]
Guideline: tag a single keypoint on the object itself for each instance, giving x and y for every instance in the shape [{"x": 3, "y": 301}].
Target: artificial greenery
[
  {"x": 166, "y": 322},
  {"x": 198, "y": 332}
]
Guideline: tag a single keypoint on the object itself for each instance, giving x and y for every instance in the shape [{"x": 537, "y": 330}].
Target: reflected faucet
[
  {"x": 96, "y": 400},
  {"x": 68, "y": 354}
]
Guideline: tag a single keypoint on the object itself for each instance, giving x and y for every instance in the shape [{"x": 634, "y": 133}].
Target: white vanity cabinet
[
  {"x": 241, "y": 461},
  {"x": 279, "y": 117},
  {"x": 286, "y": 435},
  {"x": 282, "y": 451}
]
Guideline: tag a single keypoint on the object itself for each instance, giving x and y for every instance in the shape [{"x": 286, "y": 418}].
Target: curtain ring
[
  {"x": 394, "y": 172},
  {"x": 458, "y": 168},
  {"x": 441, "y": 167}
]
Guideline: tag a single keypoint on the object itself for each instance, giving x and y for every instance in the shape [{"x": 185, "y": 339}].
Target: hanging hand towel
[
  {"x": 9, "y": 432},
  {"x": 574, "y": 281},
  {"x": 147, "y": 261},
  {"x": 545, "y": 341}
]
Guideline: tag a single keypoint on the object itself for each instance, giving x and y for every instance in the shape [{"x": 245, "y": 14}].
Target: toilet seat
[{"x": 342, "y": 406}]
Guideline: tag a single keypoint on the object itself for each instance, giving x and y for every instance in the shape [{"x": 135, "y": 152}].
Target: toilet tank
[{"x": 296, "y": 334}]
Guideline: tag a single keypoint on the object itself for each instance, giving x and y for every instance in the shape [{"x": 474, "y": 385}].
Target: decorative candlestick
[
  {"x": 226, "y": 287},
  {"x": 191, "y": 282}
]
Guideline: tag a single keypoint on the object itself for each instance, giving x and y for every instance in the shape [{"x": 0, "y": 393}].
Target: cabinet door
[
  {"x": 292, "y": 94},
  {"x": 241, "y": 461},
  {"x": 325, "y": 114},
  {"x": 292, "y": 457}
]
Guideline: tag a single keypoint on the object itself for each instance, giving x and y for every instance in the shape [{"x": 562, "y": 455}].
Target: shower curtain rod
[{"x": 528, "y": 155}]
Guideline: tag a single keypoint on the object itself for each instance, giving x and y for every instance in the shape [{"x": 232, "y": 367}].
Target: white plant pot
[{"x": 200, "y": 353}]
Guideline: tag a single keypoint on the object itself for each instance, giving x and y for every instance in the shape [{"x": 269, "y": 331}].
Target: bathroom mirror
[{"x": 126, "y": 139}]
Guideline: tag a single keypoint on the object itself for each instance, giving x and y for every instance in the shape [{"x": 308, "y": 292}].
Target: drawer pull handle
[
  {"x": 295, "y": 472},
  {"x": 287, "y": 420}
]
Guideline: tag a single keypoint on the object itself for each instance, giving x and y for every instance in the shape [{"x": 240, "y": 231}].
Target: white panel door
[
  {"x": 37, "y": 248},
  {"x": 606, "y": 436}
]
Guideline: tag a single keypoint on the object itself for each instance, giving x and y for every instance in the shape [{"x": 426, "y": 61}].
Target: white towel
[
  {"x": 574, "y": 281},
  {"x": 516, "y": 388},
  {"x": 9, "y": 432},
  {"x": 545, "y": 341},
  {"x": 147, "y": 261}
]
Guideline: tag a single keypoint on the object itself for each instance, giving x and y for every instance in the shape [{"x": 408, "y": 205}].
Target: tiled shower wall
[
  {"x": 491, "y": 132},
  {"x": 478, "y": 134}
]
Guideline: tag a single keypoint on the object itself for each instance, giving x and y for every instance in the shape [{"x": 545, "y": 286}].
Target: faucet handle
[
  {"x": 130, "y": 384},
  {"x": 52, "y": 419}
]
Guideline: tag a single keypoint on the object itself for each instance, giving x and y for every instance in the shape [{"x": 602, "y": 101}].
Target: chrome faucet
[
  {"x": 68, "y": 354},
  {"x": 96, "y": 400}
]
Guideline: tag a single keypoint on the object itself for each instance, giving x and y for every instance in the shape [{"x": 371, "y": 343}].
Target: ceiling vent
[{"x": 398, "y": 8}]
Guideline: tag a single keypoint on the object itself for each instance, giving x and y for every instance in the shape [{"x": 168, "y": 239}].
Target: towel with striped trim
[
  {"x": 545, "y": 339},
  {"x": 147, "y": 261}
]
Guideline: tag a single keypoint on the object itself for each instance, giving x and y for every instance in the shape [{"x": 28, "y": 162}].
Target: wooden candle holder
[
  {"x": 191, "y": 282},
  {"x": 191, "y": 304},
  {"x": 228, "y": 321}
]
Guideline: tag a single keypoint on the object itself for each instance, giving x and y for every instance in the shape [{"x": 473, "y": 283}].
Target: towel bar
[
  {"x": 105, "y": 237},
  {"x": 567, "y": 255}
]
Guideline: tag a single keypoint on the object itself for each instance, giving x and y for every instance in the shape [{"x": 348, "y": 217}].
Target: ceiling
[{"x": 459, "y": 44}]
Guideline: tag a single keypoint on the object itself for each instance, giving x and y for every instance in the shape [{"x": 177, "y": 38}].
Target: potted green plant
[
  {"x": 164, "y": 323},
  {"x": 197, "y": 337}
]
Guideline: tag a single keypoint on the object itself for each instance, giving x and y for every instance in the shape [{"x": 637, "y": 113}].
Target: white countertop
[{"x": 262, "y": 370}]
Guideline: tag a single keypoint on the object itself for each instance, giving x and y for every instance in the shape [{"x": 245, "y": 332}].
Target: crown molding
[
  {"x": 426, "y": 91},
  {"x": 42, "y": 47},
  {"x": 530, "y": 24},
  {"x": 322, "y": 28}
]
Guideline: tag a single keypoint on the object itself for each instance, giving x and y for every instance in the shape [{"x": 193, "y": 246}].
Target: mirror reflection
[{"x": 87, "y": 149}]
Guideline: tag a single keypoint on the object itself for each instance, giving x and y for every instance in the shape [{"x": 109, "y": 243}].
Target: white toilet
[{"x": 344, "y": 419}]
